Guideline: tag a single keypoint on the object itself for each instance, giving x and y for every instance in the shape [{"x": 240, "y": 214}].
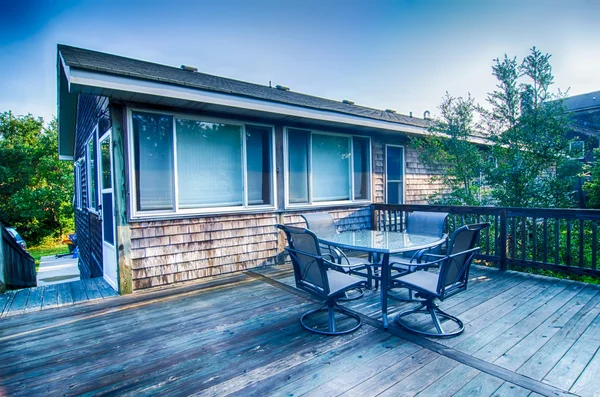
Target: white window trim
[
  {"x": 78, "y": 189},
  {"x": 93, "y": 139},
  {"x": 311, "y": 203},
  {"x": 403, "y": 181},
  {"x": 177, "y": 212}
]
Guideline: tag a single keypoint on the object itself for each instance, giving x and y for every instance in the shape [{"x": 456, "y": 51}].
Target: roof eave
[
  {"x": 66, "y": 111},
  {"x": 124, "y": 87}
]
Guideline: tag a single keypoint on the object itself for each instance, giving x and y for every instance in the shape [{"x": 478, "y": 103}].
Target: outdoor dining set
[{"x": 420, "y": 264}]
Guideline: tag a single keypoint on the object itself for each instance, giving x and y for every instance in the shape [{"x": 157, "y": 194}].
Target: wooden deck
[
  {"x": 240, "y": 335},
  {"x": 51, "y": 296}
]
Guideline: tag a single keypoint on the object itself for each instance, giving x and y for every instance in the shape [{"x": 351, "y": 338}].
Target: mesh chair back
[
  {"x": 320, "y": 223},
  {"x": 427, "y": 223},
  {"x": 305, "y": 254},
  {"x": 454, "y": 271}
]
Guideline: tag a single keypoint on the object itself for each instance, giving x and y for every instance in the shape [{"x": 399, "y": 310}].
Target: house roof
[
  {"x": 583, "y": 101},
  {"x": 107, "y": 63}
]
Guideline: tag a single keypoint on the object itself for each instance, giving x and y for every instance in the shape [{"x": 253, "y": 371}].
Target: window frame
[
  {"x": 311, "y": 203},
  {"x": 385, "y": 173},
  {"x": 177, "y": 212},
  {"x": 92, "y": 139},
  {"x": 78, "y": 183}
]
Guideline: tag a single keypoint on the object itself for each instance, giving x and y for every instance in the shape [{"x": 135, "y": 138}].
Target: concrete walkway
[{"x": 54, "y": 270}]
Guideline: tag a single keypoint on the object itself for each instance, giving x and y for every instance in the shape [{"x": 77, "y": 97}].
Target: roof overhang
[
  {"x": 66, "y": 110},
  {"x": 75, "y": 80}
]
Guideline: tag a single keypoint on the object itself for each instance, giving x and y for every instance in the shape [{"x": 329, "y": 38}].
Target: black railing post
[{"x": 503, "y": 239}]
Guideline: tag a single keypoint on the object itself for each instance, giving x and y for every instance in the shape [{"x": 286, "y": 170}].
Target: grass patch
[{"x": 45, "y": 250}]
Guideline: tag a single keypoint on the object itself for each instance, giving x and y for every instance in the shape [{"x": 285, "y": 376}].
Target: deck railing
[
  {"x": 563, "y": 240},
  {"x": 16, "y": 265}
]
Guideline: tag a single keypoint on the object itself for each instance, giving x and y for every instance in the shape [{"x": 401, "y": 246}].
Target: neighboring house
[
  {"x": 585, "y": 126},
  {"x": 181, "y": 175}
]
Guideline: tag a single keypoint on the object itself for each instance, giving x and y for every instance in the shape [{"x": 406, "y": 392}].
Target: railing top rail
[{"x": 564, "y": 213}]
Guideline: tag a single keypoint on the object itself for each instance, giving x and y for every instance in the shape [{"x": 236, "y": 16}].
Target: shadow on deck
[{"x": 241, "y": 335}]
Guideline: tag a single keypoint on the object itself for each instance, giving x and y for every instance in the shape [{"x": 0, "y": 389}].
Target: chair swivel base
[
  {"x": 331, "y": 327},
  {"x": 435, "y": 313},
  {"x": 351, "y": 295}
]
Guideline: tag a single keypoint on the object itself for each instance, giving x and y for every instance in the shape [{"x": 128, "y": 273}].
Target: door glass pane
[
  {"x": 153, "y": 140},
  {"x": 362, "y": 168},
  {"x": 298, "y": 165},
  {"x": 394, "y": 193},
  {"x": 258, "y": 163},
  {"x": 330, "y": 167},
  {"x": 395, "y": 163},
  {"x": 105, "y": 161},
  {"x": 209, "y": 164},
  {"x": 107, "y": 218}
]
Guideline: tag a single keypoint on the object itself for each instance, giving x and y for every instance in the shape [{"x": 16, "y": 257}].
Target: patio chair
[
  {"x": 316, "y": 274},
  {"x": 322, "y": 223},
  {"x": 451, "y": 279},
  {"x": 424, "y": 223}
]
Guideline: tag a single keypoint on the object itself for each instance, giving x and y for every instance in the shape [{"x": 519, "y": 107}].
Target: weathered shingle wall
[
  {"x": 164, "y": 252},
  {"x": 419, "y": 186}
]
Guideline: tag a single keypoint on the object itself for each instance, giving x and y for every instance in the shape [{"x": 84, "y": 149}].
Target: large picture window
[
  {"x": 324, "y": 167},
  {"x": 185, "y": 164}
]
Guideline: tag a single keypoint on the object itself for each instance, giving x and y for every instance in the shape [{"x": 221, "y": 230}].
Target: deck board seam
[{"x": 463, "y": 358}]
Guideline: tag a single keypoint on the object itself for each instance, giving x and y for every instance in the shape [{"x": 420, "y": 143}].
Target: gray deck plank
[
  {"x": 587, "y": 384},
  {"x": 481, "y": 385},
  {"x": 106, "y": 290},
  {"x": 529, "y": 345},
  {"x": 91, "y": 287},
  {"x": 19, "y": 302},
  {"x": 522, "y": 328},
  {"x": 91, "y": 334},
  {"x": 539, "y": 364},
  {"x": 78, "y": 291},
  {"x": 64, "y": 294},
  {"x": 340, "y": 375},
  {"x": 392, "y": 374},
  {"x": 510, "y": 390},
  {"x": 50, "y": 297},
  {"x": 5, "y": 301},
  {"x": 572, "y": 364},
  {"x": 421, "y": 378},
  {"x": 245, "y": 339},
  {"x": 450, "y": 383},
  {"x": 34, "y": 302},
  {"x": 494, "y": 327}
]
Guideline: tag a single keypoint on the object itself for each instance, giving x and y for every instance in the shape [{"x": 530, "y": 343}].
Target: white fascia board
[{"x": 133, "y": 85}]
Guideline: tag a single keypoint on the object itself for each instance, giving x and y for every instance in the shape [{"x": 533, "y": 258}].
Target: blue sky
[{"x": 402, "y": 55}]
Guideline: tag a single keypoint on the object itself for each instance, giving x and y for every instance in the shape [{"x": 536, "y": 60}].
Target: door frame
[
  {"x": 113, "y": 264},
  {"x": 403, "y": 181}
]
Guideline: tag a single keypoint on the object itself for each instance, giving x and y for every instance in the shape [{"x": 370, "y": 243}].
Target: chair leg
[
  {"x": 332, "y": 329},
  {"x": 429, "y": 307}
]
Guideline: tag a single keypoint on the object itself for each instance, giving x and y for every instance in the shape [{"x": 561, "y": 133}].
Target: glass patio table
[{"x": 383, "y": 244}]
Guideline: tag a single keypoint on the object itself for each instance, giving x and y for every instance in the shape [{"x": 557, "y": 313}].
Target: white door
[{"x": 109, "y": 256}]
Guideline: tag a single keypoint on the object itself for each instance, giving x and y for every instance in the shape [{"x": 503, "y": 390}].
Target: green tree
[
  {"x": 36, "y": 188},
  {"x": 592, "y": 185},
  {"x": 528, "y": 126},
  {"x": 449, "y": 147}
]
